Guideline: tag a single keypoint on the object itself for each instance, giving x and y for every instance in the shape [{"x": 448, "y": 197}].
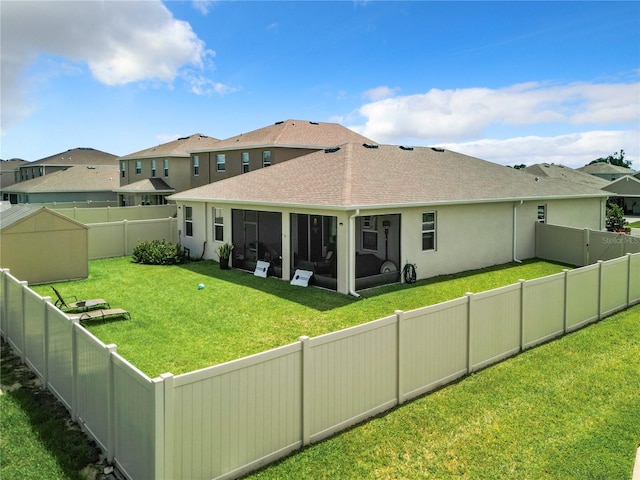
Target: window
[
  {"x": 196, "y": 165},
  {"x": 166, "y": 167},
  {"x": 218, "y": 225},
  {"x": 221, "y": 162},
  {"x": 245, "y": 162},
  {"x": 153, "y": 168},
  {"x": 123, "y": 168},
  {"x": 41, "y": 171},
  {"x": 428, "y": 231},
  {"x": 188, "y": 221},
  {"x": 369, "y": 240},
  {"x": 266, "y": 158},
  {"x": 542, "y": 213},
  {"x": 138, "y": 167}
]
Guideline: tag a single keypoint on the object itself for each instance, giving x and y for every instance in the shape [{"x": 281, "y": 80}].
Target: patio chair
[
  {"x": 100, "y": 314},
  {"x": 84, "y": 305}
]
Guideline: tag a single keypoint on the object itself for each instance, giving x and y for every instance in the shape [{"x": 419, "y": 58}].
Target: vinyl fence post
[
  {"x": 110, "y": 350},
  {"x": 399, "y": 362},
  {"x": 24, "y": 285},
  {"x": 628, "y": 280},
  {"x": 3, "y": 300},
  {"x": 469, "y": 330},
  {"x": 168, "y": 453},
  {"x": 522, "y": 310},
  {"x": 75, "y": 325},
  {"x": 566, "y": 301},
  {"x": 306, "y": 374},
  {"x": 125, "y": 247},
  {"x": 159, "y": 437},
  {"x": 600, "y": 263}
]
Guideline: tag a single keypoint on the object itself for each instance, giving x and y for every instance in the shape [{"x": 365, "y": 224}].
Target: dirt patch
[{"x": 16, "y": 375}]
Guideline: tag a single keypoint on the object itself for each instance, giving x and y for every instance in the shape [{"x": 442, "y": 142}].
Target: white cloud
[
  {"x": 379, "y": 93},
  {"x": 201, "y": 85},
  {"x": 120, "y": 42},
  {"x": 573, "y": 150},
  {"x": 203, "y": 6},
  {"x": 464, "y": 114}
]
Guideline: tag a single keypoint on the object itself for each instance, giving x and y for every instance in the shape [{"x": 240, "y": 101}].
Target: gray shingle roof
[
  {"x": 359, "y": 177},
  {"x": 293, "y": 134},
  {"x": 602, "y": 167},
  {"x": 565, "y": 173},
  {"x": 100, "y": 178},
  {"x": 16, "y": 214},
  {"x": 176, "y": 148},
  {"x": 78, "y": 156}
]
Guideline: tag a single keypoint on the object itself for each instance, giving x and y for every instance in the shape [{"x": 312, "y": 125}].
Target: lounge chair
[
  {"x": 84, "y": 305},
  {"x": 100, "y": 314}
]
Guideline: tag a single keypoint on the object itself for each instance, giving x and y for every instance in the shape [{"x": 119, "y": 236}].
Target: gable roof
[
  {"x": 98, "y": 178},
  {"x": 78, "y": 156},
  {"x": 147, "y": 185},
  {"x": 356, "y": 176},
  {"x": 17, "y": 213},
  {"x": 176, "y": 148},
  {"x": 601, "y": 167},
  {"x": 628, "y": 185},
  {"x": 292, "y": 134},
  {"x": 566, "y": 173}
]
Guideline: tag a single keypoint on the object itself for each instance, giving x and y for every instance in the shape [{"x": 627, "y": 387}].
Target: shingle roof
[
  {"x": 566, "y": 173},
  {"x": 73, "y": 179},
  {"x": 78, "y": 156},
  {"x": 148, "y": 185},
  {"x": 293, "y": 134},
  {"x": 176, "y": 148},
  {"x": 602, "y": 167},
  {"x": 355, "y": 176}
]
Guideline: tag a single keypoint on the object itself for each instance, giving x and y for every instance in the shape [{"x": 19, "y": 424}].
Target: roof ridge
[{"x": 348, "y": 173}]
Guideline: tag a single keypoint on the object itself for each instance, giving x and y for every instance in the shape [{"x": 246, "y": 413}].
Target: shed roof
[
  {"x": 99, "y": 178},
  {"x": 19, "y": 213},
  {"x": 292, "y": 134},
  {"x": 176, "y": 148},
  {"x": 357, "y": 175}
]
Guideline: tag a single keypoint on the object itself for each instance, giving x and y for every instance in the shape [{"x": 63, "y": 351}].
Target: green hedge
[{"x": 159, "y": 252}]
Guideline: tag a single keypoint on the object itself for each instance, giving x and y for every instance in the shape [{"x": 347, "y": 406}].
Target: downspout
[
  {"x": 515, "y": 234},
  {"x": 352, "y": 254}
]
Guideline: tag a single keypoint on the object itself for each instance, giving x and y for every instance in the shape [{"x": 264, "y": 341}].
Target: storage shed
[{"x": 40, "y": 245}]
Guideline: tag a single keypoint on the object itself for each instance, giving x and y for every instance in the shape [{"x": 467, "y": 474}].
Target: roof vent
[
  {"x": 331, "y": 150},
  {"x": 369, "y": 145},
  {"x": 437, "y": 149},
  {"x": 314, "y": 123},
  {"x": 404, "y": 147},
  {"x": 91, "y": 167},
  {"x": 280, "y": 122},
  {"x": 183, "y": 138}
]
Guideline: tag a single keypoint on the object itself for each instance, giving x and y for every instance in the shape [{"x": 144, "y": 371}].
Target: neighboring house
[
  {"x": 625, "y": 193},
  {"x": 9, "y": 174},
  {"x": 25, "y": 229},
  {"x": 148, "y": 176},
  {"x": 267, "y": 146},
  {"x": 606, "y": 170},
  {"x": 566, "y": 173},
  {"x": 357, "y": 213},
  {"x": 85, "y": 184},
  {"x": 60, "y": 161}
]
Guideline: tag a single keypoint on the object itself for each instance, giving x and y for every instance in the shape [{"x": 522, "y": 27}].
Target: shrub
[{"x": 159, "y": 252}]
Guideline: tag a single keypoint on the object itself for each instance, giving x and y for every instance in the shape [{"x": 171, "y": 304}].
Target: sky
[{"x": 509, "y": 82}]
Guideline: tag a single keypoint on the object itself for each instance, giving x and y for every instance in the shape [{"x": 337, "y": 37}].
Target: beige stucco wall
[{"x": 45, "y": 247}]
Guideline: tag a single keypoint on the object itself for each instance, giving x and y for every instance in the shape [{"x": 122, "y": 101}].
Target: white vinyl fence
[{"x": 229, "y": 419}]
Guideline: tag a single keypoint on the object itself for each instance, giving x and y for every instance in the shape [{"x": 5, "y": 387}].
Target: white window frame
[
  {"x": 266, "y": 158},
  {"x": 245, "y": 162},
  {"x": 196, "y": 165},
  {"x": 188, "y": 221},
  {"x": 166, "y": 167},
  {"x": 218, "y": 225},
  {"x": 221, "y": 162},
  {"x": 138, "y": 167},
  {"x": 429, "y": 227},
  {"x": 123, "y": 169},
  {"x": 153, "y": 168}
]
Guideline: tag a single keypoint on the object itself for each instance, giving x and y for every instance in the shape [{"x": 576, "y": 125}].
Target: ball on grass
[{"x": 201, "y": 286}]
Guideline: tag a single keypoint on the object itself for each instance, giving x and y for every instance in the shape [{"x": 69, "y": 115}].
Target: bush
[{"x": 159, "y": 252}]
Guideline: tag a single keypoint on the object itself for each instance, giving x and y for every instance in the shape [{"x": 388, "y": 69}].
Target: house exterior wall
[
  {"x": 67, "y": 197},
  {"x": 179, "y": 176},
  {"x": 45, "y": 247}
]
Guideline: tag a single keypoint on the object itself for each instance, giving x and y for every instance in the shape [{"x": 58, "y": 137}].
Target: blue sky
[{"x": 510, "y": 82}]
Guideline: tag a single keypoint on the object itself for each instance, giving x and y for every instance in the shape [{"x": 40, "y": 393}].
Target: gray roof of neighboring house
[
  {"x": 355, "y": 176},
  {"x": 292, "y": 134},
  {"x": 176, "y": 148},
  {"x": 601, "y": 167},
  {"x": 11, "y": 165},
  {"x": 78, "y": 156},
  {"x": 148, "y": 185},
  {"x": 98, "y": 178},
  {"x": 17, "y": 213},
  {"x": 566, "y": 173}
]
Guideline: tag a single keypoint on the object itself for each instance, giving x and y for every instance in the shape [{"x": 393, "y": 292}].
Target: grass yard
[
  {"x": 634, "y": 225},
  {"x": 569, "y": 409},
  {"x": 177, "y": 328}
]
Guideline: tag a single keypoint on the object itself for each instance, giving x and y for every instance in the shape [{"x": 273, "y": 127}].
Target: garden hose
[{"x": 409, "y": 272}]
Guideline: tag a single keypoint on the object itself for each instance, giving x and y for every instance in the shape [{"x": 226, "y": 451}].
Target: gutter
[
  {"x": 352, "y": 254},
  {"x": 515, "y": 232}
]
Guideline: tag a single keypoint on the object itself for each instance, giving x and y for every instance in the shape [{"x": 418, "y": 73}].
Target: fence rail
[{"x": 229, "y": 419}]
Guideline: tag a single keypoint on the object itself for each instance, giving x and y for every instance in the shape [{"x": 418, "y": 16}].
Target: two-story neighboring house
[
  {"x": 148, "y": 176},
  {"x": 606, "y": 170},
  {"x": 9, "y": 174},
  {"x": 267, "y": 146},
  {"x": 81, "y": 156}
]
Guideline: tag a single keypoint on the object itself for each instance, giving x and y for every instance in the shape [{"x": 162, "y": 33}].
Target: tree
[
  {"x": 615, "y": 218},
  {"x": 615, "y": 159}
]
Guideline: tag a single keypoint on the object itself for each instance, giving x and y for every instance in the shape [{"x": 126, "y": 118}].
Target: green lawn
[
  {"x": 177, "y": 328},
  {"x": 634, "y": 225}
]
